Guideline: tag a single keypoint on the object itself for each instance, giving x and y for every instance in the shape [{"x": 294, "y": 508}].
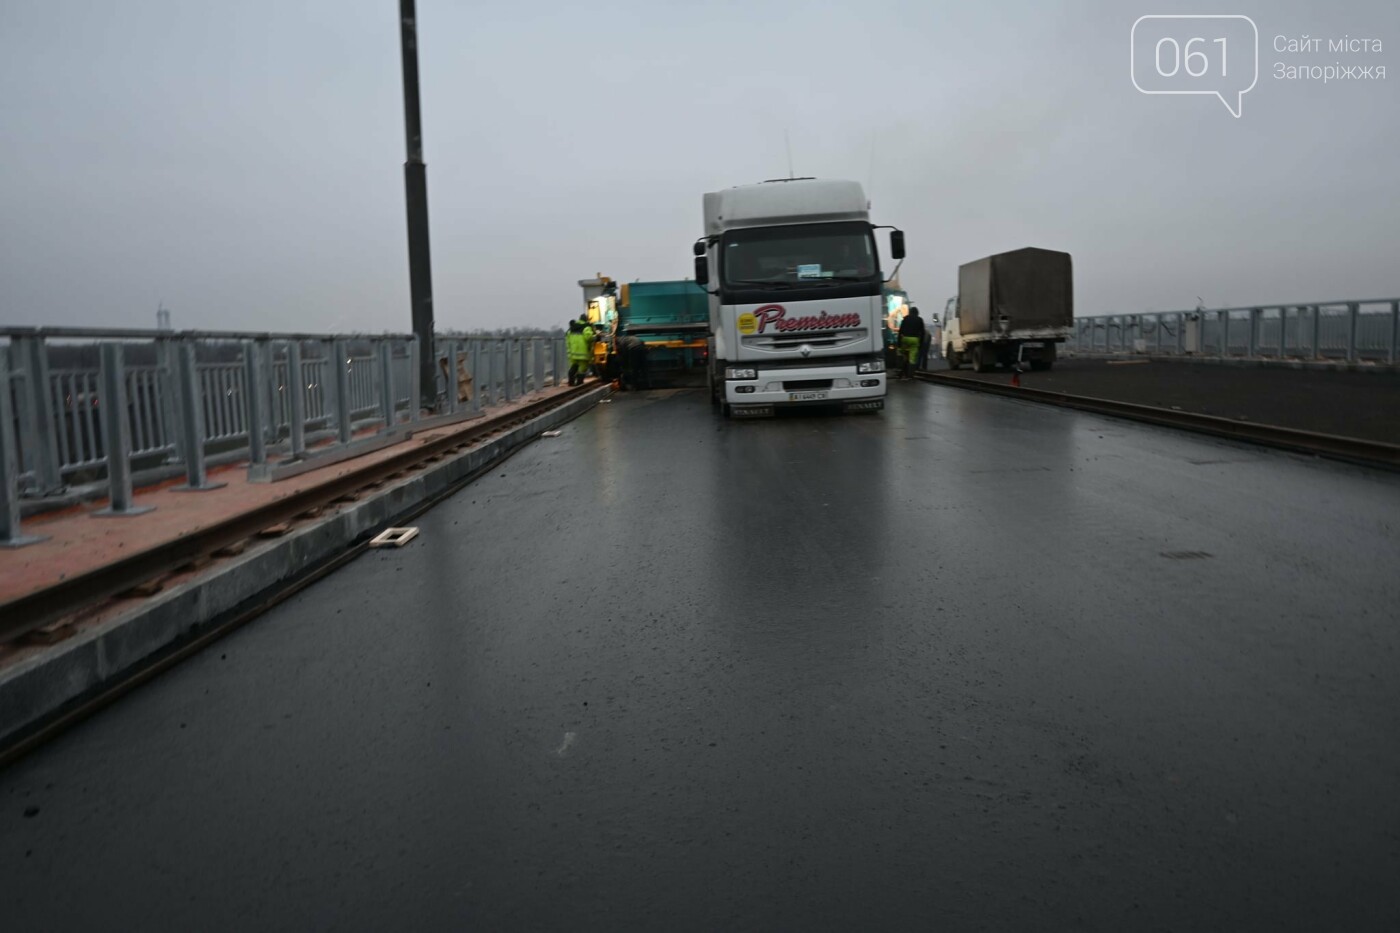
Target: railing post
[
  {"x": 191, "y": 414},
  {"x": 255, "y": 383},
  {"x": 524, "y": 363},
  {"x": 168, "y": 380},
  {"x": 296, "y": 399},
  {"x": 508, "y": 371},
  {"x": 116, "y": 434},
  {"x": 1353, "y": 322},
  {"x": 1283, "y": 332},
  {"x": 10, "y": 533},
  {"x": 343, "y": 406},
  {"x": 1317, "y": 332},
  {"x": 388, "y": 398},
  {"x": 41, "y": 438},
  {"x": 415, "y": 399},
  {"x": 538, "y": 353},
  {"x": 1224, "y": 334},
  {"x": 1253, "y": 333},
  {"x": 1394, "y": 355},
  {"x": 554, "y": 348},
  {"x": 272, "y": 412}
]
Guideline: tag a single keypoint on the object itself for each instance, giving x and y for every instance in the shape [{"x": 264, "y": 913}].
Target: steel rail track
[
  {"x": 1332, "y": 446},
  {"x": 20, "y": 616}
]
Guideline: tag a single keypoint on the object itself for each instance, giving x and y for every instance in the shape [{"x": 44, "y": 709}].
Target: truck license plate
[{"x": 806, "y": 396}]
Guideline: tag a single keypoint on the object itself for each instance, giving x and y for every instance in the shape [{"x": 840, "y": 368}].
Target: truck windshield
[{"x": 799, "y": 256}]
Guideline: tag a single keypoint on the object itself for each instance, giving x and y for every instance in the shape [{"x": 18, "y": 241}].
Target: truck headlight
[
  {"x": 740, "y": 372},
  {"x": 871, "y": 366}
]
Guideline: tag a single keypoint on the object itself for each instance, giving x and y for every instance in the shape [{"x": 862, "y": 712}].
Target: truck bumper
[{"x": 808, "y": 386}]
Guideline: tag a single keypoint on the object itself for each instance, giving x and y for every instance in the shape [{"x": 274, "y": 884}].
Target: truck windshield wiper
[
  {"x": 831, "y": 281},
  {"x": 766, "y": 283}
]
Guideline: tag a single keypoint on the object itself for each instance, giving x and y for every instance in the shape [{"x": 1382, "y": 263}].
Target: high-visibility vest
[{"x": 578, "y": 345}]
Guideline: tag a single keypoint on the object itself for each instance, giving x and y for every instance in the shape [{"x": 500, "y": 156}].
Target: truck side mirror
[
  {"x": 702, "y": 270},
  {"x": 698, "y": 248},
  {"x": 897, "y": 244}
]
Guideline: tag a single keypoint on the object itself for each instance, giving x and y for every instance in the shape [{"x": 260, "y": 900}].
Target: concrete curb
[{"x": 35, "y": 689}]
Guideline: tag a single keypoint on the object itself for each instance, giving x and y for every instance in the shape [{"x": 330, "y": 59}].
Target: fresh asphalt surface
[
  {"x": 969, "y": 664},
  {"x": 1351, "y": 404}
]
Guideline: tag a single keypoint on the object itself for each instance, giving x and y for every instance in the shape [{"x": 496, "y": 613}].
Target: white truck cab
[{"x": 796, "y": 302}]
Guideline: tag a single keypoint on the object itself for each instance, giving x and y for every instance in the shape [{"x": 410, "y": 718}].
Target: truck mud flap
[
  {"x": 750, "y": 411},
  {"x": 869, "y": 405}
]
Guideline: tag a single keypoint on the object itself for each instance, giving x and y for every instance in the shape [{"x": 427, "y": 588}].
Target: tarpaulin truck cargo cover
[{"x": 1031, "y": 287}]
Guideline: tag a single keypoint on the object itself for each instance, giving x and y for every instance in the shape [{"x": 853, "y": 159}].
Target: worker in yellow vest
[
  {"x": 911, "y": 335},
  {"x": 580, "y": 353},
  {"x": 590, "y": 335}
]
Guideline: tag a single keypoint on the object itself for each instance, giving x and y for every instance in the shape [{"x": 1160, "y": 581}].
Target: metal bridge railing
[
  {"x": 1353, "y": 331},
  {"x": 170, "y": 403}
]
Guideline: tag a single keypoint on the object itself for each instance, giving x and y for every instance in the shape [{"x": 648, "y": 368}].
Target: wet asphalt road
[{"x": 969, "y": 664}]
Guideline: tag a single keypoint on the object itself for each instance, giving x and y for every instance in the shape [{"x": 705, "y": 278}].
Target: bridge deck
[{"x": 969, "y": 663}]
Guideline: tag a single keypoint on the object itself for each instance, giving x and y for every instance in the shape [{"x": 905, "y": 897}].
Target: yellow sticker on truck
[{"x": 748, "y": 323}]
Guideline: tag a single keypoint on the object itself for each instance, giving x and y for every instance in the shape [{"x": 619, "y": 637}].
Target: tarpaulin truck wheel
[
  {"x": 982, "y": 359},
  {"x": 954, "y": 359}
]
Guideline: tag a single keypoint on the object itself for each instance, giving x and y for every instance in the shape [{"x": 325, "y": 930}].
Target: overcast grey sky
[{"x": 243, "y": 161}]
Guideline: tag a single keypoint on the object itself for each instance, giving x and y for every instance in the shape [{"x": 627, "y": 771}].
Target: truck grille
[{"x": 822, "y": 339}]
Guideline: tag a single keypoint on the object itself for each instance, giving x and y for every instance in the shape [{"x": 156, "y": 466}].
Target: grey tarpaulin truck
[{"x": 1010, "y": 307}]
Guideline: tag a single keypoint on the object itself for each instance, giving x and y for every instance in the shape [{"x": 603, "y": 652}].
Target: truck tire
[
  {"x": 1046, "y": 359},
  {"x": 982, "y": 359},
  {"x": 954, "y": 359}
]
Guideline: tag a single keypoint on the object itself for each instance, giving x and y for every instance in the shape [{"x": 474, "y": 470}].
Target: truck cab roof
[{"x": 785, "y": 201}]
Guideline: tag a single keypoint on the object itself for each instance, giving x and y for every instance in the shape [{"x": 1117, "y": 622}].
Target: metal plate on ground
[{"x": 393, "y": 537}]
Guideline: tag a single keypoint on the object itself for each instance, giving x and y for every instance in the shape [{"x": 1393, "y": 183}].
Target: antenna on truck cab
[
  {"x": 788, "y": 142},
  {"x": 870, "y": 178}
]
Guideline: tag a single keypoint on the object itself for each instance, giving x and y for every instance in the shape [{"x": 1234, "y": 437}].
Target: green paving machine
[{"x": 673, "y": 320}]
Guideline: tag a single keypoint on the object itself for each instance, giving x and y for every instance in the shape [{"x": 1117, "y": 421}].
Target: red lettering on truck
[{"x": 777, "y": 316}]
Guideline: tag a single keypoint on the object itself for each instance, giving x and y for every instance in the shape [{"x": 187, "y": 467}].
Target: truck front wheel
[{"x": 954, "y": 359}]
